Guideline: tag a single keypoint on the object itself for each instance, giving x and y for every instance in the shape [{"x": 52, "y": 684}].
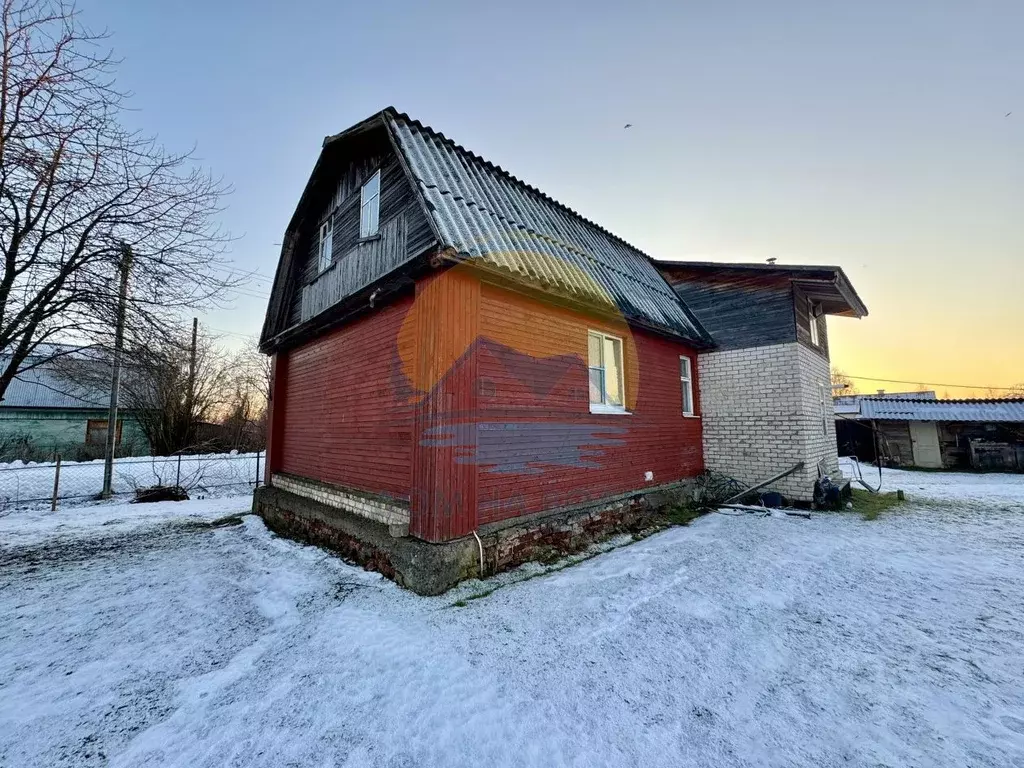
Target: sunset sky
[{"x": 886, "y": 138}]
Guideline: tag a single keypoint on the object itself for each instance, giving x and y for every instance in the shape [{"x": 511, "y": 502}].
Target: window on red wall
[
  {"x": 606, "y": 374},
  {"x": 686, "y": 384}
]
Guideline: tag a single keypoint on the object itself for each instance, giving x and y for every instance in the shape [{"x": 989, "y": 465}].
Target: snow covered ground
[
  {"x": 214, "y": 474},
  {"x": 736, "y": 641}
]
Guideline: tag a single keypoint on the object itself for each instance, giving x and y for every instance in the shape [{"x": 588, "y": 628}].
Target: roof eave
[{"x": 825, "y": 282}]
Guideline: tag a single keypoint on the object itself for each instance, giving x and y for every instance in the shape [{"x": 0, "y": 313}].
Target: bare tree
[
  {"x": 75, "y": 185},
  {"x": 171, "y": 401},
  {"x": 1017, "y": 390},
  {"x": 841, "y": 383},
  {"x": 244, "y": 423}
]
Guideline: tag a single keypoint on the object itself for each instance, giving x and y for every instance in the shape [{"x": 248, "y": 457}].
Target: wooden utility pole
[{"x": 115, "y": 376}]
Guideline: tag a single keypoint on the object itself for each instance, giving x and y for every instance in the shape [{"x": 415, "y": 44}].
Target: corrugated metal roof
[
  {"x": 851, "y": 403},
  {"x": 485, "y": 213},
  {"x": 899, "y": 409},
  {"x": 42, "y": 388}
]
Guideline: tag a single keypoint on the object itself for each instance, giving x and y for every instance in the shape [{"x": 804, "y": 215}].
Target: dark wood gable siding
[
  {"x": 738, "y": 310},
  {"x": 803, "y": 323},
  {"x": 403, "y": 234}
]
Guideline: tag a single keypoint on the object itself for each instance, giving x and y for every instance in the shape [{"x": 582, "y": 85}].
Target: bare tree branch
[{"x": 75, "y": 184}]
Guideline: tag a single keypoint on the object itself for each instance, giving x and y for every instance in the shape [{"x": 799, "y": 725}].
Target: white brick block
[
  {"x": 372, "y": 509},
  {"x": 762, "y": 414}
]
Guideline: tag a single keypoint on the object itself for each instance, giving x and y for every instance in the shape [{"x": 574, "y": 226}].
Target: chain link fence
[{"x": 29, "y": 485}]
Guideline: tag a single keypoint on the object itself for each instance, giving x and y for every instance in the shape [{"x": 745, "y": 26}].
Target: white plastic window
[
  {"x": 606, "y": 380},
  {"x": 686, "y": 384}
]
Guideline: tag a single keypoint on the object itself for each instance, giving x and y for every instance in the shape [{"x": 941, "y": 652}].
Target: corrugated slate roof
[
  {"x": 485, "y": 213},
  {"x": 900, "y": 409}
]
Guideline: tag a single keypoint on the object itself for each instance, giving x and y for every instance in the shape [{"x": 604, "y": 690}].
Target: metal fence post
[
  {"x": 177, "y": 479},
  {"x": 56, "y": 485},
  {"x": 257, "y": 485}
]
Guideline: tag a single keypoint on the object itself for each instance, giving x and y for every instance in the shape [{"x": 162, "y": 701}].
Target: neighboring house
[
  {"x": 465, "y": 369},
  {"x": 917, "y": 429},
  {"x": 767, "y": 398},
  {"x": 45, "y": 413}
]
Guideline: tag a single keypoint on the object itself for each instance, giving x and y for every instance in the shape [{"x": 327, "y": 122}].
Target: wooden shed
[{"x": 921, "y": 430}]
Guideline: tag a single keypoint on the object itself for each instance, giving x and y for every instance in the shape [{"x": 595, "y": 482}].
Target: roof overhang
[
  {"x": 835, "y": 296},
  {"x": 825, "y": 285}
]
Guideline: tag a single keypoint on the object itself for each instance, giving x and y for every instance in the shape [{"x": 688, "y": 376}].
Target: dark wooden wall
[
  {"x": 738, "y": 310},
  {"x": 955, "y": 442},
  {"x": 896, "y": 445},
  {"x": 404, "y": 229}
]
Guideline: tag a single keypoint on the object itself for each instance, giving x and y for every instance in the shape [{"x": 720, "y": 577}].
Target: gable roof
[
  {"x": 483, "y": 214},
  {"x": 822, "y": 283}
]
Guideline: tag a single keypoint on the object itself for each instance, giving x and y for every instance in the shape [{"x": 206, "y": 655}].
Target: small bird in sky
[
  {"x": 627, "y": 125},
  {"x": 1008, "y": 114}
]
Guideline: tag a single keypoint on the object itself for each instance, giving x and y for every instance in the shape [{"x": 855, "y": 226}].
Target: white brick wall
[
  {"x": 373, "y": 509},
  {"x": 762, "y": 414}
]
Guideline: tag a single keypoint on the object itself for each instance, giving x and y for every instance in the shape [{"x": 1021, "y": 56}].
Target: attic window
[
  {"x": 326, "y": 243},
  {"x": 369, "y": 207},
  {"x": 815, "y": 314}
]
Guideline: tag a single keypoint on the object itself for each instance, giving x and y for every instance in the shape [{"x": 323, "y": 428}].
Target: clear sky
[{"x": 871, "y": 135}]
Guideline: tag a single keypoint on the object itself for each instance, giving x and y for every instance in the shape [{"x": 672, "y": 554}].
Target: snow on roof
[{"x": 903, "y": 408}]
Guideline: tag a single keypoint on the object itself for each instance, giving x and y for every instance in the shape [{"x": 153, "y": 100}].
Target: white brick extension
[
  {"x": 765, "y": 409},
  {"x": 382, "y": 512}
]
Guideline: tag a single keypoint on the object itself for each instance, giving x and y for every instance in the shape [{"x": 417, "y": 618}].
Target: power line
[
  {"x": 230, "y": 333},
  {"x": 929, "y": 383}
]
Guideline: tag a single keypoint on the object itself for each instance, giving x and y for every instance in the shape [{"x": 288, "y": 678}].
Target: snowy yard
[
  {"x": 30, "y": 485},
  {"x": 140, "y": 636}
]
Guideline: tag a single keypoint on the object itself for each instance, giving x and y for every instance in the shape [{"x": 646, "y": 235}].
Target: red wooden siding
[
  {"x": 447, "y": 315},
  {"x": 345, "y": 419},
  {"x": 655, "y": 437}
]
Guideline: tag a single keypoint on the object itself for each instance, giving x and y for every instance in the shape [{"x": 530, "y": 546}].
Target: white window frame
[
  {"x": 369, "y": 207},
  {"x": 604, "y": 406},
  {"x": 326, "y": 246},
  {"x": 815, "y": 335},
  {"x": 686, "y": 385}
]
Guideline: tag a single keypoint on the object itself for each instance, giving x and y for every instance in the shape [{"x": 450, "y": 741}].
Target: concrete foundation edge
[{"x": 431, "y": 569}]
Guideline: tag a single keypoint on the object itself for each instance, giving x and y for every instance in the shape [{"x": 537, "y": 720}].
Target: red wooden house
[{"x": 463, "y": 366}]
